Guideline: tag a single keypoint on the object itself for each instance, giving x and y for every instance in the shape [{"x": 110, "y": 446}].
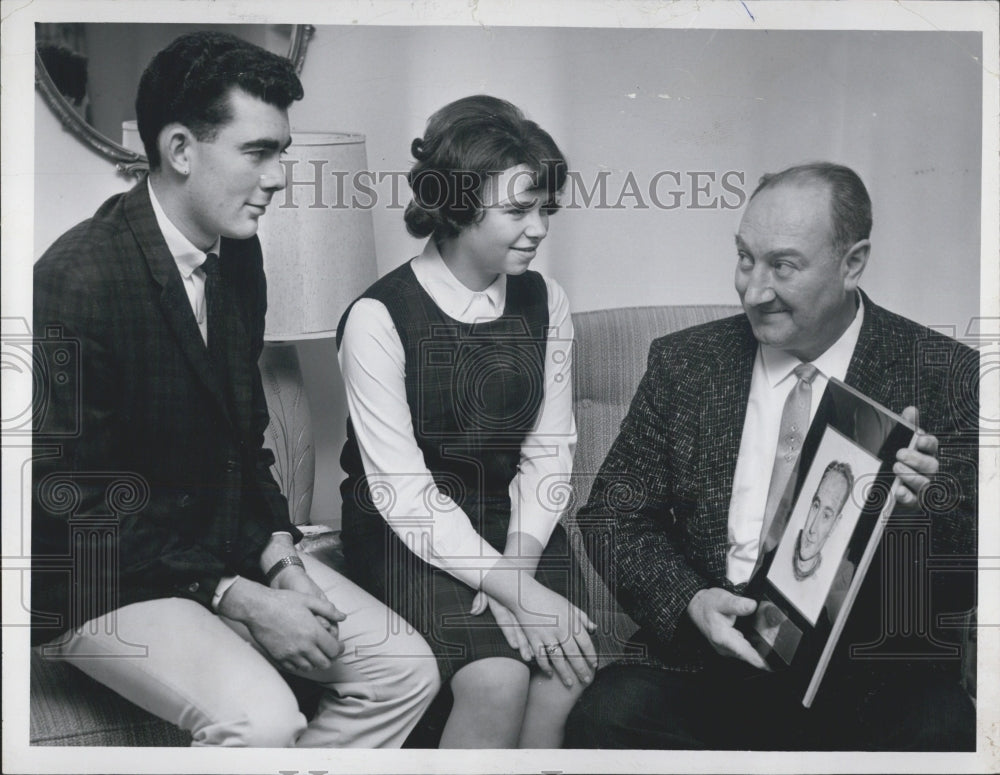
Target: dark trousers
[{"x": 631, "y": 706}]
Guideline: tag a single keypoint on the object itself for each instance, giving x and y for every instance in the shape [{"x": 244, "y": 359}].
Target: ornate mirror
[{"x": 87, "y": 74}]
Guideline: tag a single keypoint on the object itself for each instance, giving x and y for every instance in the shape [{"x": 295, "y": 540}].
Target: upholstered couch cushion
[
  {"x": 70, "y": 708},
  {"x": 609, "y": 359}
]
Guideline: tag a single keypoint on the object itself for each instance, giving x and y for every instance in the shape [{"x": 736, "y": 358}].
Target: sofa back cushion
[{"x": 609, "y": 359}]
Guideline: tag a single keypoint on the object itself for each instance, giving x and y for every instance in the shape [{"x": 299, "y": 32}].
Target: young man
[
  {"x": 711, "y": 426},
  {"x": 160, "y": 446}
]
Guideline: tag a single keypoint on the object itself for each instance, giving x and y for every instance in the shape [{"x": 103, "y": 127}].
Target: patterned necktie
[
  {"x": 794, "y": 424},
  {"x": 211, "y": 269}
]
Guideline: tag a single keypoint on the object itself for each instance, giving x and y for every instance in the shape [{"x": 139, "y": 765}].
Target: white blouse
[{"x": 372, "y": 361}]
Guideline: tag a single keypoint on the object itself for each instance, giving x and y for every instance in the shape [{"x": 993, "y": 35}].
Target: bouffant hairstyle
[
  {"x": 189, "y": 82},
  {"x": 465, "y": 143}
]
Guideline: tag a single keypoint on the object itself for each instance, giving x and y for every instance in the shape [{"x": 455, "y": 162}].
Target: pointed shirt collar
[
  {"x": 448, "y": 292},
  {"x": 186, "y": 255},
  {"x": 779, "y": 365}
]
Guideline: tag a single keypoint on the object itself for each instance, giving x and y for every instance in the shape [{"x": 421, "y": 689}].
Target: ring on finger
[{"x": 549, "y": 648}]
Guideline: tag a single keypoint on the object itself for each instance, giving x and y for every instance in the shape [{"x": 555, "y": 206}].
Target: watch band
[{"x": 280, "y": 565}]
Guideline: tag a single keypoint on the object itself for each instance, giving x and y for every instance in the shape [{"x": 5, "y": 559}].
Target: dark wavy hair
[
  {"x": 850, "y": 203},
  {"x": 189, "y": 82},
  {"x": 465, "y": 143},
  {"x": 844, "y": 469}
]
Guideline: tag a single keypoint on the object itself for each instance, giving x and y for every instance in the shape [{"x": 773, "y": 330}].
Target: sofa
[{"x": 68, "y": 708}]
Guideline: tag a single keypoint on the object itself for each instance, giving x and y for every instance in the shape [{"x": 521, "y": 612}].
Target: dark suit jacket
[
  {"x": 150, "y": 478},
  {"x": 659, "y": 507}
]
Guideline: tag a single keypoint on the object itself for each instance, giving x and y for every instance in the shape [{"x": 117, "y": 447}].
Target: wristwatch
[{"x": 280, "y": 565}]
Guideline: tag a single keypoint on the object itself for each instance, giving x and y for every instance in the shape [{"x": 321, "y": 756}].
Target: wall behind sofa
[{"x": 903, "y": 109}]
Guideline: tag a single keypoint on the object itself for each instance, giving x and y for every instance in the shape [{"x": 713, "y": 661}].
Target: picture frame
[{"x": 815, "y": 556}]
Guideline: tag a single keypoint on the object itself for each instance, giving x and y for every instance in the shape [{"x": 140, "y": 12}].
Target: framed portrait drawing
[{"x": 816, "y": 553}]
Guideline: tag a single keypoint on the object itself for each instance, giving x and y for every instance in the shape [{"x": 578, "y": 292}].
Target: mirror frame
[{"x": 129, "y": 162}]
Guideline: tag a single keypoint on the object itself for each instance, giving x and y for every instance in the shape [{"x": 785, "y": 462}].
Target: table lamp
[{"x": 319, "y": 255}]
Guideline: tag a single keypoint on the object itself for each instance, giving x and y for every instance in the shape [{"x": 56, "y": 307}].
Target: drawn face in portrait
[
  {"x": 824, "y": 514},
  {"x": 821, "y": 523}
]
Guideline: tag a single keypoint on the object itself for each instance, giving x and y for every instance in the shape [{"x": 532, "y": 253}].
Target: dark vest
[{"x": 474, "y": 390}]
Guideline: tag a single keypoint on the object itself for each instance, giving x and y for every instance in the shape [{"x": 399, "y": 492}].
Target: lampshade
[
  {"x": 130, "y": 136},
  {"x": 317, "y": 237}
]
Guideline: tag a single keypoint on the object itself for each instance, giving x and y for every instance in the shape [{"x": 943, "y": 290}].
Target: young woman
[{"x": 461, "y": 432}]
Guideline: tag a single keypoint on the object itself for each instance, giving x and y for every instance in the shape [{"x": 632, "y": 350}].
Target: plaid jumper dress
[{"x": 474, "y": 392}]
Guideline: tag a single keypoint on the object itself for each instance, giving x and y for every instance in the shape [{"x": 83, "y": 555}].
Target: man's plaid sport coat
[
  {"x": 150, "y": 478},
  {"x": 659, "y": 507}
]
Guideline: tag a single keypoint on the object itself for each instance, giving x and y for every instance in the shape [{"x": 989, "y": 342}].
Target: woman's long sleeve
[{"x": 430, "y": 523}]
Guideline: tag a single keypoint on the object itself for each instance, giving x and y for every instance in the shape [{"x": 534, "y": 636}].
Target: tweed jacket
[
  {"x": 150, "y": 476},
  {"x": 659, "y": 506}
]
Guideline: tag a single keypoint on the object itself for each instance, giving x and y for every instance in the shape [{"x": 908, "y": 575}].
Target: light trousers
[{"x": 206, "y": 674}]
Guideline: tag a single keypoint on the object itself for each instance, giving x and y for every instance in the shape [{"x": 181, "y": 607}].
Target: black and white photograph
[{"x": 446, "y": 387}]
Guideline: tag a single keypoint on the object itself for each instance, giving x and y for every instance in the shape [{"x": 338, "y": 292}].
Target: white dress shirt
[
  {"x": 372, "y": 361},
  {"x": 188, "y": 259},
  {"x": 770, "y": 385}
]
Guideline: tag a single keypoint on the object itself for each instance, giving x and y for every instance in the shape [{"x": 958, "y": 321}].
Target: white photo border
[{"x": 18, "y": 16}]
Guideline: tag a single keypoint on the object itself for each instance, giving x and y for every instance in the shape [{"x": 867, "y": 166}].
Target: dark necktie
[
  {"x": 794, "y": 424},
  {"x": 212, "y": 298}
]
